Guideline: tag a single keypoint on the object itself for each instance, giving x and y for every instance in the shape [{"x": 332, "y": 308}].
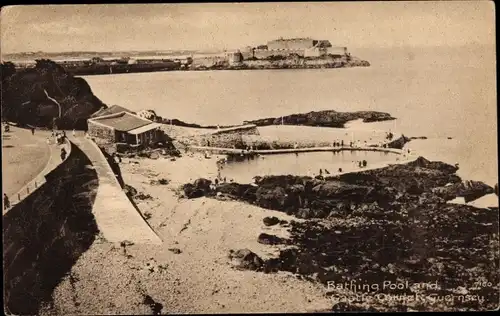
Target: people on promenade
[
  {"x": 63, "y": 153},
  {"x": 48, "y": 140},
  {"x": 365, "y": 163},
  {"x": 32, "y": 131},
  {"x": 342, "y": 143},
  {"x": 6, "y": 202}
]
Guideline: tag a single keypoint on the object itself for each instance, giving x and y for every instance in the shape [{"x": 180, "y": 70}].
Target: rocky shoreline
[
  {"x": 328, "y": 118},
  {"x": 385, "y": 225},
  {"x": 286, "y": 63}
]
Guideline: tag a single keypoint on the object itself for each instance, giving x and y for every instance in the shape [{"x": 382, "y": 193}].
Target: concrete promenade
[
  {"x": 39, "y": 179},
  {"x": 116, "y": 217}
]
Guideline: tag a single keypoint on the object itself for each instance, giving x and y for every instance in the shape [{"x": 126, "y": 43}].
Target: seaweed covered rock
[
  {"x": 469, "y": 190},
  {"x": 130, "y": 190},
  {"x": 202, "y": 184},
  {"x": 191, "y": 191},
  {"x": 245, "y": 259},
  {"x": 271, "y": 221},
  {"x": 341, "y": 190},
  {"x": 244, "y": 191},
  {"x": 272, "y": 198},
  {"x": 267, "y": 239}
]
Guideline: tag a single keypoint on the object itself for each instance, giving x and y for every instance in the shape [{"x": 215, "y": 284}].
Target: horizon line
[{"x": 225, "y": 49}]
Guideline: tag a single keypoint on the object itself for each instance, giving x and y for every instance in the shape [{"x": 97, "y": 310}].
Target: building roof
[
  {"x": 144, "y": 128},
  {"x": 123, "y": 121},
  {"x": 115, "y": 109}
]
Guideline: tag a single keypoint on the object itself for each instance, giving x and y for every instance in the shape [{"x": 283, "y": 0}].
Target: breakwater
[{"x": 45, "y": 233}]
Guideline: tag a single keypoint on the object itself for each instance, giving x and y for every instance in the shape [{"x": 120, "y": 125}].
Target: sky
[{"x": 203, "y": 26}]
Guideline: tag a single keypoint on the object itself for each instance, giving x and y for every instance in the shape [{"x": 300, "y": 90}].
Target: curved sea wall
[{"x": 44, "y": 234}]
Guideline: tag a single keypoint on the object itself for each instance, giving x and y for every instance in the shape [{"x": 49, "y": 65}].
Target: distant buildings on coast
[
  {"x": 279, "y": 48},
  {"x": 274, "y": 49},
  {"x": 304, "y": 47}
]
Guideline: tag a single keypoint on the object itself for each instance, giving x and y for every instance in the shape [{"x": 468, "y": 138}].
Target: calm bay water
[{"x": 438, "y": 93}]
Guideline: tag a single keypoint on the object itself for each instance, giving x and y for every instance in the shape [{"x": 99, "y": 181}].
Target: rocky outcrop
[
  {"x": 400, "y": 142},
  {"x": 469, "y": 190},
  {"x": 328, "y": 118},
  {"x": 384, "y": 225},
  {"x": 420, "y": 181},
  {"x": 47, "y": 94},
  {"x": 267, "y": 239},
  {"x": 245, "y": 259},
  {"x": 271, "y": 221}
]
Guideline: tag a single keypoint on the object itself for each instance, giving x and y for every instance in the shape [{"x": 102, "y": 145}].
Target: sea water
[{"x": 447, "y": 94}]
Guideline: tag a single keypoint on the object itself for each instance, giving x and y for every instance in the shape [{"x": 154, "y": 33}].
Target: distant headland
[{"x": 294, "y": 53}]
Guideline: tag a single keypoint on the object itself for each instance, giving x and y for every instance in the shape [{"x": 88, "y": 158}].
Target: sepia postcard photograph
[{"x": 258, "y": 157}]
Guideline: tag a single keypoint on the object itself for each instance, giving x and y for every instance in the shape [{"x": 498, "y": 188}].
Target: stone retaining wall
[
  {"x": 102, "y": 134},
  {"x": 224, "y": 139}
]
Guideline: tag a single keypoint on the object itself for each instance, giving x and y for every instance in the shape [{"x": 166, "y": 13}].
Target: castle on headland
[{"x": 303, "y": 47}]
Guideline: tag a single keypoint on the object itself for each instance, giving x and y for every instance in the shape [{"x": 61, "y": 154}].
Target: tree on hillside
[{"x": 8, "y": 69}]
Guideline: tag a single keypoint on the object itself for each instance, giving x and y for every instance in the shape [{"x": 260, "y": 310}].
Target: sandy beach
[{"x": 199, "y": 279}]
